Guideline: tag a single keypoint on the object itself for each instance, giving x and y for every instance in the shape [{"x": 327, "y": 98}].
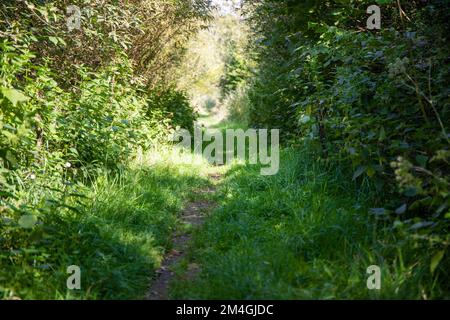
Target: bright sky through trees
[{"x": 226, "y": 6}]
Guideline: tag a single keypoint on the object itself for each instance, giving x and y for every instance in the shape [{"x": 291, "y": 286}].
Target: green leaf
[
  {"x": 61, "y": 41},
  {"x": 359, "y": 171},
  {"x": 11, "y": 158},
  {"x": 422, "y": 160},
  {"x": 401, "y": 209},
  {"x": 411, "y": 191},
  {"x": 53, "y": 40},
  {"x": 27, "y": 221},
  {"x": 370, "y": 171},
  {"x": 420, "y": 225},
  {"x": 382, "y": 135},
  {"x": 13, "y": 95},
  {"x": 435, "y": 260},
  {"x": 3, "y": 182},
  {"x": 378, "y": 211},
  {"x": 12, "y": 138},
  {"x": 385, "y": 1}
]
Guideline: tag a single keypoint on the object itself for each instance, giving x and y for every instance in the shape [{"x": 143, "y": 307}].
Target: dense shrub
[
  {"x": 174, "y": 106},
  {"x": 81, "y": 95},
  {"x": 375, "y": 101}
]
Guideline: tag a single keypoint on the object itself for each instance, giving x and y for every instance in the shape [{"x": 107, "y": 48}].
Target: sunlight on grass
[
  {"x": 117, "y": 237},
  {"x": 305, "y": 233}
]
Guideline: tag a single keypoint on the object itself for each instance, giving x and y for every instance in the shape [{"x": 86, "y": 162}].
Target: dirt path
[{"x": 194, "y": 214}]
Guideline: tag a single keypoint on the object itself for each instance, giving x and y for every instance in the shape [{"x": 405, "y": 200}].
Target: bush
[
  {"x": 172, "y": 105},
  {"x": 376, "y": 102},
  {"x": 75, "y": 108}
]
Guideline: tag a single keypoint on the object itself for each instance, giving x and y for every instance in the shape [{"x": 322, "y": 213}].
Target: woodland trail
[
  {"x": 113, "y": 114},
  {"x": 193, "y": 214}
]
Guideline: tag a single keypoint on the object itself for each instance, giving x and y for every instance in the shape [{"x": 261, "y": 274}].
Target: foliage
[
  {"x": 236, "y": 69},
  {"x": 117, "y": 230},
  {"x": 237, "y": 103},
  {"x": 214, "y": 63},
  {"x": 375, "y": 101},
  {"x": 304, "y": 233},
  {"x": 366, "y": 113},
  {"x": 151, "y": 33},
  {"x": 174, "y": 106},
  {"x": 76, "y": 106}
]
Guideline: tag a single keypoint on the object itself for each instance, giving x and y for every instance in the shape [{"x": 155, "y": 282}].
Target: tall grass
[
  {"x": 115, "y": 228},
  {"x": 305, "y": 233}
]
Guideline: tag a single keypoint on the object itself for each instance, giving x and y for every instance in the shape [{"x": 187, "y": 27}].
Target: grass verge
[
  {"x": 116, "y": 229},
  {"x": 305, "y": 233}
]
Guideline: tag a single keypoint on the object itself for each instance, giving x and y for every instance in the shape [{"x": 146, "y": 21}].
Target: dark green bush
[
  {"x": 374, "y": 101},
  {"x": 172, "y": 105}
]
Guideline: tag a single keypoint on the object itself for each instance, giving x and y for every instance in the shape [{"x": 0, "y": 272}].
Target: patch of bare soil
[{"x": 194, "y": 214}]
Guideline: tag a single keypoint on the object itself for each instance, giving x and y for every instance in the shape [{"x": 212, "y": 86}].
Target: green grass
[
  {"x": 117, "y": 236},
  {"x": 305, "y": 233}
]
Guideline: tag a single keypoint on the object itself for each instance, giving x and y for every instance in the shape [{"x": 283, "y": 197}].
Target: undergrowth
[
  {"x": 116, "y": 228},
  {"x": 306, "y": 233}
]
